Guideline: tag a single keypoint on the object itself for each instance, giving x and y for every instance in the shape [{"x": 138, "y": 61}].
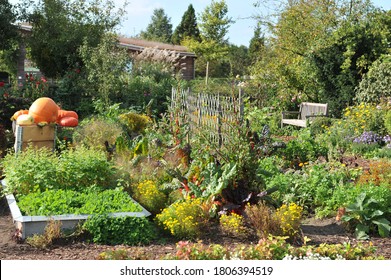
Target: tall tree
[
  {"x": 187, "y": 28},
  {"x": 8, "y": 29},
  {"x": 308, "y": 50},
  {"x": 257, "y": 45},
  {"x": 159, "y": 29},
  {"x": 60, "y": 27},
  {"x": 214, "y": 26}
]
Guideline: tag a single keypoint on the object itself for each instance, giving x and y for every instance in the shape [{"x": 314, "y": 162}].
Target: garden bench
[{"x": 306, "y": 112}]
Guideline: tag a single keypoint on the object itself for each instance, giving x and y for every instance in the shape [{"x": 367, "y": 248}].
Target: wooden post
[
  {"x": 241, "y": 105},
  {"x": 219, "y": 115}
]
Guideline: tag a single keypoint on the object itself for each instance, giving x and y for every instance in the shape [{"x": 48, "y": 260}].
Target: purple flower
[{"x": 368, "y": 137}]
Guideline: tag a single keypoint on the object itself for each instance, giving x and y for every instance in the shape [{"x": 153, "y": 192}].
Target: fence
[{"x": 212, "y": 114}]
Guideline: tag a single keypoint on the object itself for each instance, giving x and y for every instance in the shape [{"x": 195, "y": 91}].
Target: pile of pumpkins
[{"x": 45, "y": 111}]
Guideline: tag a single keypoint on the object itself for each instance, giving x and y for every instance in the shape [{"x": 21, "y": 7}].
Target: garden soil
[{"x": 319, "y": 231}]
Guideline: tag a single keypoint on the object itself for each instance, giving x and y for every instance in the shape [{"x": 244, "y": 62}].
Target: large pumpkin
[{"x": 44, "y": 109}]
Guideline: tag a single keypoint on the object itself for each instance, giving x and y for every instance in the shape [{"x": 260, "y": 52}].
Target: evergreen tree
[
  {"x": 160, "y": 28},
  {"x": 187, "y": 28},
  {"x": 257, "y": 44}
]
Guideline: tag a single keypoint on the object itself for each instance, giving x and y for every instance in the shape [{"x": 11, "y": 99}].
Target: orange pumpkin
[
  {"x": 65, "y": 113},
  {"x": 18, "y": 113},
  {"x": 68, "y": 122},
  {"x": 44, "y": 109}
]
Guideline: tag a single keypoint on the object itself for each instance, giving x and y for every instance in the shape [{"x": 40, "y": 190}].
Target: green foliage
[
  {"x": 215, "y": 180},
  {"x": 29, "y": 170},
  {"x": 320, "y": 125},
  {"x": 214, "y": 22},
  {"x": 257, "y": 45},
  {"x": 93, "y": 132},
  {"x": 34, "y": 87},
  {"x": 341, "y": 64},
  {"x": 364, "y": 216},
  {"x": 71, "y": 93},
  {"x": 135, "y": 123},
  {"x": 187, "y": 27},
  {"x": 121, "y": 230},
  {"x": 302, "y": 149},
  {"x": 183, "y": 219},
  {"x": 106, "y": 68},
  {"x": 40, "y": 169},
  {"x": 9, "y": 105},
  {"x": 61, "y": 27},
  {"x": 159, "y": 29},
  {"x": 387, "y": 122},
  {"x": 376, "y": 84},
  {"x": 8, "y": 28},
  {"x": 60, "y": 202}
]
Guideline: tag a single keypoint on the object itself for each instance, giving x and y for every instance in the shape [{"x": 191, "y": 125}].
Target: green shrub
[
  {"x": 302, "y": 150},
  {"x": 121, "y": 230},
  {"x": 135, "y": 123},
  {"x": 93, "y": 133},
  {"x": 376, "y": 83},
  {"x": 30, "y": 170},
  {"x": 40, "y": 169},
  {"x": 82, "y": 168},
  {"x": 387, "y": 122},
  {"x": 320, "y": 125}
]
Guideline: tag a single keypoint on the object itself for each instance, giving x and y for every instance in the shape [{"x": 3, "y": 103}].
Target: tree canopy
[
  {"x": 187, "y": 27},
  {"x": 60, "y": 27},
  {"x": 159, "y": 29},
  {"x": 7, "y": 25}
]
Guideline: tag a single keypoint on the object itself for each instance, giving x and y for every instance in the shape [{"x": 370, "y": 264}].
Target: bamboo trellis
[{"x": 215, "y": 114}]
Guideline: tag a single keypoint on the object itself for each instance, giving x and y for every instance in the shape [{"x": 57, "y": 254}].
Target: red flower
[
  {"x": 2, "y": 84},
  {"x": 6, "y": 95}
]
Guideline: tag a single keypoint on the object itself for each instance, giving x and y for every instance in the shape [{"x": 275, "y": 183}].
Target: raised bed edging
[{"x": 30, "y": 225}]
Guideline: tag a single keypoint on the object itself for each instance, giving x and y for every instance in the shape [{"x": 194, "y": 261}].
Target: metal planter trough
[{"x": 30, "y": 225}]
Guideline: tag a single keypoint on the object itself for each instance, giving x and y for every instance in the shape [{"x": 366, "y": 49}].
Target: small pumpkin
[
  {"x": 44, "y": 109},
  {"x": 68, "y": 122},
  {"x": 18, "y": 113},
  {"x": 24, "y": 120}
]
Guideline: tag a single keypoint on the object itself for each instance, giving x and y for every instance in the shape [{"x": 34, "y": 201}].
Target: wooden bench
[{"x": 304, "y": 116}]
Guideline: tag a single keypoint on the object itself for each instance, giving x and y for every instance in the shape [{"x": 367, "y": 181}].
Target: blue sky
[
  {"x": 139, "y": 14},
  {"x": 240, "y": 33}
]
